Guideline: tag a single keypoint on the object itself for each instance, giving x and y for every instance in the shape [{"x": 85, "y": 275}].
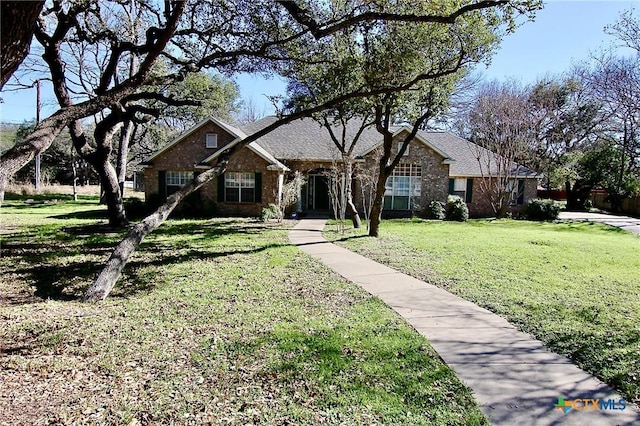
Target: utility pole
[{"x": 37, "y": 83}]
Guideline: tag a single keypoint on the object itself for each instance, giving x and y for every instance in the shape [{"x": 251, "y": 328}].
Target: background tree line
[{"x": 579, "y": 129}]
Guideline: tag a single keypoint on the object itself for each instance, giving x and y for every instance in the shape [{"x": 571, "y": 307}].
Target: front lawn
[
  {"x": 575, "y": 286},
  {"x": 214, "y": 322}
]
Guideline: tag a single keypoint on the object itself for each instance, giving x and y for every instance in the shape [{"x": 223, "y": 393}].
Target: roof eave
[
  {"x": 258, "y": 150},
  {"x": 278, "y": 167},
  {"x": 478, "y": 175},
  {"x": 233, "y": 131}
]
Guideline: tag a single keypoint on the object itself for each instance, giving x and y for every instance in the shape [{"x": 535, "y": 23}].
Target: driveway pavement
[
  {"x": 623, "y": 222},
  {"x": 515, "y": 379}
]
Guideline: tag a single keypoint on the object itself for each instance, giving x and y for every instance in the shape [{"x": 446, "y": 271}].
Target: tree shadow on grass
[
  {"x": 350, "y": 237},
  {"x": 139, "y": 281},
  {"x": 44, "y": 259},
  {"x": 83, "y": 214},
  {"x": 213, "y": 228},
  {"x": 607, "y": 355},
  {"x": 374, "y": 364},
  {"x": 581, "y": 225}
]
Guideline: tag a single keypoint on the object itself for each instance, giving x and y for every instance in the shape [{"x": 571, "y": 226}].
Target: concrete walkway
[
  {"x": 623, "y": 222},
  {"x": 515, "y": 379}
]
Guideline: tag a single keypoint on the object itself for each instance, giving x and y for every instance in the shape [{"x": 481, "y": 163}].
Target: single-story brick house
[{"x": 436, "y": 164}]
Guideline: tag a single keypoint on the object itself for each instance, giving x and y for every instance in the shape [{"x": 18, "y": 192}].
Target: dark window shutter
[
  {"x": 162, "y": 183},
  {"x": 221, "y": 188},
  {"x": 451, "y": 186},
  {"x": 469, "y": 190},
  {"x": 520, "y": 191},
  {"x": 258, "y": 187}
]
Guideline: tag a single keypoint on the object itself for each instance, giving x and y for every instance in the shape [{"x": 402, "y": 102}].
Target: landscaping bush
[
  {"x": 135, "y": 208},
  {"x": 542, "y": 210},
  {"x": 270, "y": 212},
  {"x": 457, "y": 209},
  {"x": 436, "y": 210},
  {"x": 152, "y": 202}
]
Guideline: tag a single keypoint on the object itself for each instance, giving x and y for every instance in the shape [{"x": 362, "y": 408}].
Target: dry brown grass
[{"x": 49, "y": 189}]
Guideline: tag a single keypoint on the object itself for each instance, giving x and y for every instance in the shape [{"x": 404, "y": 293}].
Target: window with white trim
[
  {"x": 174, "y": 180},
  {"x": 240, "y": 187},
  {"x": 211, "y": 140},
  {"x": 403, "y": 187}
]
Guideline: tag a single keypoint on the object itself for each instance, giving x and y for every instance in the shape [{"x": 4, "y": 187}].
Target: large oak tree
[
  {"x": 233, "y": 36},
  {"x": 381, "y": 54}
]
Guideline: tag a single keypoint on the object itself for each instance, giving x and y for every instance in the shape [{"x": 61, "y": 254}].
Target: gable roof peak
[{"x": 233, "y": 131}]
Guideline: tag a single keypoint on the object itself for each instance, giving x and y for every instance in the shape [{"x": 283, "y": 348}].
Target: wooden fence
[{"x": 630, "y": 206}]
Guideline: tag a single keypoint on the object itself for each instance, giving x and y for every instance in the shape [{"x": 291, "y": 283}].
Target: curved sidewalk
[{"x": 515, "y": 379}]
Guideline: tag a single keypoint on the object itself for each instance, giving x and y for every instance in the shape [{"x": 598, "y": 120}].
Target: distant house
[{"x": 436, "y": 164}]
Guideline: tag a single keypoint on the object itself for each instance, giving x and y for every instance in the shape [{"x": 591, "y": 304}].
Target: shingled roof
[
  {"x": 306, "y": 139},
  {"x": 465, "y": 155}
]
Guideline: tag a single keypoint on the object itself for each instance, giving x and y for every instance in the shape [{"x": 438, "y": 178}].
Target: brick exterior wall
[
  {"x": 480, "y": 205},
  {"x": 246, "y": 160},
  {"x": 184, "y": 156},
  {"x": 435, "y": 175}
]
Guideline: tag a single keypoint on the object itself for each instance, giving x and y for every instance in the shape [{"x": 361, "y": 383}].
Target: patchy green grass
[
  {"x": 215, "y": 321},
  {"x": 575, "y": 286}
]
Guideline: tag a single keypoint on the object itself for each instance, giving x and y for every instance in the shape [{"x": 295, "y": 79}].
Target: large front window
[
  {"x": 174, "y": 180},
  {"x": 240, "y": 187},
  {"x": 403, "y": 187}
]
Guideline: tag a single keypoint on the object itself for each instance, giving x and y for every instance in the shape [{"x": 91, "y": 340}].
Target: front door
[
  {"x": 321, "y": 193},
  {"x": 316, "y": 193}
]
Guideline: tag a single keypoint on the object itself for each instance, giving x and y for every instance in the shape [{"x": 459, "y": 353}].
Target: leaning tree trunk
[
  {"x": 351, "y": 207},
  {"x": 107, "y": 279},
  {"x": 105, "y": 282}
]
